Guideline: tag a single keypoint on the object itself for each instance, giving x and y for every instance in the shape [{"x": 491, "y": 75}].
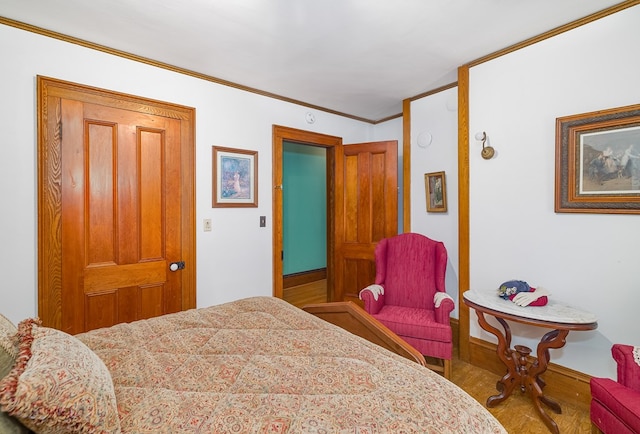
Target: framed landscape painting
[{"x": 235, "y": 178}]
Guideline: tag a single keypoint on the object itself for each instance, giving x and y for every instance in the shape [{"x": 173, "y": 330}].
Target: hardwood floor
[
  {"x": 516, "y": 413},
  {"x": 314, "y": 292}
]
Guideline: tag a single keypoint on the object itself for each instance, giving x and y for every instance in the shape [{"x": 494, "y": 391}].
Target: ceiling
[{"x": 361, "y": 58}]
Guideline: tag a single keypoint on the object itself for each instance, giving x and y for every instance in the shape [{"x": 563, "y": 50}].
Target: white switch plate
[{"x": 207, "y": 225}]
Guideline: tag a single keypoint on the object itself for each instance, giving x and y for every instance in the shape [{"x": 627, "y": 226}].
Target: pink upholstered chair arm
[
  {"x": 628, "y": 368},
  {"x": 617, "y": 407},
  {"x": 371, "y": 305},
  {"x": 442, "y": 313}
]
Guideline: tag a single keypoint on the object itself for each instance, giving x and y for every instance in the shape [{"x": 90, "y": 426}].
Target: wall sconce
[{"x": 487, "y": 151}]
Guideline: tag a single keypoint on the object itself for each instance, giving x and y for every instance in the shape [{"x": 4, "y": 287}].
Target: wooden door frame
[
  {"x": 280, "y": 135},
  {"x": 50, "y": 194}
]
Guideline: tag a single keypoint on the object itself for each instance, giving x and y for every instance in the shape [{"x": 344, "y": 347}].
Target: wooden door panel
[
  {"x": 366, "y": 212},
  {"x": 131, "y": 250},
  {"x": 73, "y": 216},
  {"x": 379, "y": 197},
  {"x": 101, "y": 309},
  {"x": 127, "y": 311},
  {"x": 152, "y": 301},
  {"x": 108, "y": 277},
  {"x": 118, "y": 217},
  {"x": 116, "y": 205}
]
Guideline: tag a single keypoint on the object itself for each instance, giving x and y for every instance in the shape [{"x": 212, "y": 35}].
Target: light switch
[
  {"x": 207, "y": 225},
  {"x": 263, "y": 221}
]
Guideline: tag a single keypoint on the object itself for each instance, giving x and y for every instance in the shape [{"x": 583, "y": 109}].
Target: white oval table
[{"x": 559, "y": 317}]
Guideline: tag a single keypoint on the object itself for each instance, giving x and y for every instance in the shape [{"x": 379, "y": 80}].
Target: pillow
[
  {"x": 8, "y": 342},
  {"x": 58, "y": 385},
  {"x": 8, "y": 352},
  {"x": 6, "y": 324}
]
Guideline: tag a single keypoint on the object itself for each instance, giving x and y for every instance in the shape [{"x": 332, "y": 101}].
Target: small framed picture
[
  {"x": 434, "y": 184},
  {"x": 235, "y": 178}
]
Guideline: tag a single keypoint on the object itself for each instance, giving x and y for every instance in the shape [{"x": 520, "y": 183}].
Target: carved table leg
[
  {"x": 520, "y": 373},
  {"x": 507, "y": 383},
  {"x": 553, "y": 339}
]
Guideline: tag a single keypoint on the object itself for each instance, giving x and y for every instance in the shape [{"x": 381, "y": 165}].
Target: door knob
[{"x": 175, "y": 266}]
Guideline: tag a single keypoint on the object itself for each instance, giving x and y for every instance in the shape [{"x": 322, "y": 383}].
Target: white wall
[
  {"x": 234, "y": 260},
  {"x": 590, "y": 261},
  {"x": 437, "y": 116}
]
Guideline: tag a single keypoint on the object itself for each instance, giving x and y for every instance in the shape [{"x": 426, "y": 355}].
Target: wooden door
[
  {"x": 119, "y": 221},
  {"x": 366, "y": 211}
]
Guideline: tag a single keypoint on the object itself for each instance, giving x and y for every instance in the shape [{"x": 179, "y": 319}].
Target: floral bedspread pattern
[{"x": 260, "y": 365}]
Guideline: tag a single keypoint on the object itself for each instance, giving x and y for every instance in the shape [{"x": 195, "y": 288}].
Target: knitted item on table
[{"x": 509, "y": 289}]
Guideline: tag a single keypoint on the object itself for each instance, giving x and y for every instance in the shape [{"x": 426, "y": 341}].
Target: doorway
[
  {"x": 304, "y": 234},
  {"x": 282, "y": 136},
  {"x": 362, "y": 198}
]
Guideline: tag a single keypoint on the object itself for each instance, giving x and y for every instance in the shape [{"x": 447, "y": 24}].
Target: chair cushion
[
  {"x": 414, "y": 323},
  {"x": 621, "y": 401},
  {"x": 58, "y": 385}
]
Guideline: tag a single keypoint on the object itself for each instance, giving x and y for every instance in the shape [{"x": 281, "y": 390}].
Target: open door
[
  {"x": 362, "y": 208},
  {"x": 366, "y": 211}
]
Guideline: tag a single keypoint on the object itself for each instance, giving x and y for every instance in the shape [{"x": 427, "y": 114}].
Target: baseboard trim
[
  {"x": 303, "y": 278},
  {"x": 455, "y": 331},
  {"x": 563, "y": 384}
]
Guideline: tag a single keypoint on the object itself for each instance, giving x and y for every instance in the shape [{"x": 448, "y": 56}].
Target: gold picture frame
[
  {"x": 598, "y": 162},
  {"x": 436, "y": 189},
  {"x": 235, "y": 178}
]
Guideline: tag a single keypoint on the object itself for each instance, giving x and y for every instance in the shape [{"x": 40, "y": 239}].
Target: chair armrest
[
  {"x": 443, "y": 311},
  {"x": 623, "y": 403},
  {"x": 628, "y": 368},
  {"x": 373, "y": 298}
]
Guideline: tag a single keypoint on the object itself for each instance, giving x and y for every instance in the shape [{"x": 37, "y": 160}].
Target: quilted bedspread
[{"x": 260, "y": 365}]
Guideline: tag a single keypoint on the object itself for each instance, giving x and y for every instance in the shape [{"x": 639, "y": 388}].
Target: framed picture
[
  {"x": 235, "y": 178},
  {"x": 598, "y": 162},
  {"x": 434, "y": 184}
]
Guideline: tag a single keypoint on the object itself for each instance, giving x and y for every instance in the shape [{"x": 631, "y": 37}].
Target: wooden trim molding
[
  {"x": 406, "y": 165},
  {"x": 296, "y": 279},
  {"x": 464, "y": 280},
  {"x": 434, "y": 91},
  {"x": 87, "y": 44},
  {"x": 554, "y": 32},
  {"x": 557, "y": 31},
  {"x": 455, "y": 331}
]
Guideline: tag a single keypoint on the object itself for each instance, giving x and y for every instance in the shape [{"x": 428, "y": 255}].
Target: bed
[{"x": 256, "y": 365}]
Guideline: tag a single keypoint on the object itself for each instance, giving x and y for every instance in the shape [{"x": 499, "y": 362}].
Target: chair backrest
[{"x": 412, "y": 268}]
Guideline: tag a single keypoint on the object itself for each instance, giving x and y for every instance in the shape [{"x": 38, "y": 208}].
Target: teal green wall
[{"x": 304, "y": 210}]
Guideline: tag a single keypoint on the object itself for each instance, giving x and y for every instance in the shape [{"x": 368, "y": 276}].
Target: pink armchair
[
  {"x": 615, "y": 406},
  {"x": 409, "y": 296}
]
